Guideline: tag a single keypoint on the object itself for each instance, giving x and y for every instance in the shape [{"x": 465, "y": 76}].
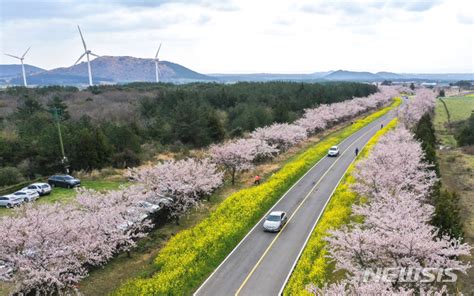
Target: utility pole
[{"x": 64, "y": 159}]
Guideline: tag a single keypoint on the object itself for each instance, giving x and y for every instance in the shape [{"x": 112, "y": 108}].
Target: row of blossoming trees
[
  {"x": 50, "y": 248},
  {"x": 396, "y": 232}
]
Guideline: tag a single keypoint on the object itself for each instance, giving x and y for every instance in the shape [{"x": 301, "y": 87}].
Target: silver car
[
  {"x": 6, "y": 271},
  {"x": 41, "y": 188},
  {"x": 27, "y": 195},
  {"x": 148, "y": 207},
  {"x": 10, "y": 200},
  {"x": 275, "y": 221}
]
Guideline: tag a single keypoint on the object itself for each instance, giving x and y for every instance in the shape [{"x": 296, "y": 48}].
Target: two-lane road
[{"x": 262, "y": 262}]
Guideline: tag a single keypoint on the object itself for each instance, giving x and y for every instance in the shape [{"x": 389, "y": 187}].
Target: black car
[{"x": 65, "y": 181}]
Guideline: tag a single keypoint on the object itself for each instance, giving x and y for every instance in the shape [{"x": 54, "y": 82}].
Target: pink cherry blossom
[
  {"x": 280, "y": 135},
  {"x": 184, "y": 183},
  {"x": 240, "y": 155},
  {"x": 423, "y": 102},
  {"x": 396, "y": 230}
]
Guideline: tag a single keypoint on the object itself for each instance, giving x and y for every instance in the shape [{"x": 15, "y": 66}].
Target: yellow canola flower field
[
  {"x": 314, "y": 267},
  {"x": 190, "y": 256}
]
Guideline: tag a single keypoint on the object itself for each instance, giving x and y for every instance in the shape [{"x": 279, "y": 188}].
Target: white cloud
[{"x": 251, "y": 36}]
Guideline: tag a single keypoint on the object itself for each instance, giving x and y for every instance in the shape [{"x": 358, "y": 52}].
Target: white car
[
  {"x": 41, "y": 188},
  {"x": 6, "y": 271},
  {"x": 275, "y": 221},
  {"x": 149, "y": 207},
  {"x": 134, "y": 218},
  {"x": 27, "y": 195},
  {"x": 10, "y": 200},
  {"x": 333, "y": 151}
]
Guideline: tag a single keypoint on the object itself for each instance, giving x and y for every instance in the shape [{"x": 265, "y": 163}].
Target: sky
[{"x": 248, "y": 36}]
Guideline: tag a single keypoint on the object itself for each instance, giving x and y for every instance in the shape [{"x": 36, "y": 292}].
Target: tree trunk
[{"x": 233, "y": 176}]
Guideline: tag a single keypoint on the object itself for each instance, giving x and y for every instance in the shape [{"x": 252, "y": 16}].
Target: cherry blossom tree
[
  {"x": 240, "y": 155},
  {"x": 50, "y": 247},
  {"x": 396, "y": 230},
  {"x": 280, "y": 135},
  {"x": 180, "y": 185},
  {"x": 116, "y": 218},
  {"x": 323, "y": 116},
  {"x": 43, "y": 248},
  {"x": 398, "y": 156},
  {"x": 423, "y": 102}
]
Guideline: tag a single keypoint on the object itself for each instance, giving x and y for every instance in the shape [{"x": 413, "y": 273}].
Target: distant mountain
[
  {"x": 390, "y": 75},
  {"x": 343, "y": 75},
  {"x": 51, "y": 78},
  {"x": 10, "y": 71},
  {"x": 268, "y": 77},
  {"x": 440, "y": 77},
  {"x": 122, "y": 69}
]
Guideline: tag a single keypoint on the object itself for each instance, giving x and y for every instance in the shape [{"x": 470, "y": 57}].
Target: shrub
[
  {"x": 191, "y": 255},
  {"x": 10, "y": 176}
]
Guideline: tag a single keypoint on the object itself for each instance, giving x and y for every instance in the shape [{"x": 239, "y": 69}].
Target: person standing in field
[{"x": 257, "y": 180}]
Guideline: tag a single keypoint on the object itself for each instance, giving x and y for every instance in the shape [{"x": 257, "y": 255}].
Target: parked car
[
  {"x": 65, "y": 181},
  {"x": 333, "y": 151},
  {"x": 27, "y": 195},
  {"x": 135, "y": 217},
  {"x": 149, "y": 207},
  {"x": 165, "y": 202},
  {"x": 6, "y": 271},
  {"x": 10, "y": 200},
  {"x": 275, "y": 221},
  {"x": 41, "y": 188}
]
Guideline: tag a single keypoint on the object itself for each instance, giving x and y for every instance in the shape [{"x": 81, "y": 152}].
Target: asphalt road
[{"x": 262, "y": 262}]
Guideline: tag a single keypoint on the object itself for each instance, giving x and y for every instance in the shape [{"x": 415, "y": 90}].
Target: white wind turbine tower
[
  {"x": 157, "y": 71},
  {"x": 22, "y": 65},
  {"x": 86, "y": 53}
]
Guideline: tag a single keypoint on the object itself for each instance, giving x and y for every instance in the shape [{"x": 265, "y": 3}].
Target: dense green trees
[
  {"x": 199, "y": 114},
  {"x": 446, "y": 216},
  {"x": 465, "y": 135},
  {"x": 186, "y": 116}
]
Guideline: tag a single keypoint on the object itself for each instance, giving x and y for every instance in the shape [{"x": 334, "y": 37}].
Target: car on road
[
  {"x": 41, "y": 188},
  {"x": 10, "y": 200},
  {"x": 275, "y": 221},
  {"x": 65, "y": 181},
  {"x": 27, "y": 195},
  {"x": 333, "y": 151}
]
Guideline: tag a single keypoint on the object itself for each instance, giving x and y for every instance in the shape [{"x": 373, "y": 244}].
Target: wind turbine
[
  {"x": 157, "y": 71},
  {"x": 22, "y": 65},
  {"x": 86, "y": 53}
]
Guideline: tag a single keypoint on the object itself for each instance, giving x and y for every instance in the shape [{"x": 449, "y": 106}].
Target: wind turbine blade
[
  {"x": 26, "y": 52},
  {"x": 79, "y": 58},
  {"x": 83, "y": 42},
  {"x": 10, "y": 55},
  {"x": 159, "y": 47},
  {"x": 94, "y": 54}
]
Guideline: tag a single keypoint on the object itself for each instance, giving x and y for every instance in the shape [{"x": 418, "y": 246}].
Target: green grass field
[
  {"x": 456, "y": 171},
  {"x": 66, "y": 195},
  {"x": 460, "y": 108}
]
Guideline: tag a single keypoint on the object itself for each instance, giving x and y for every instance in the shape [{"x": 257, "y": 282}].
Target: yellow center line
[{"x": 295, "y": 211}]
